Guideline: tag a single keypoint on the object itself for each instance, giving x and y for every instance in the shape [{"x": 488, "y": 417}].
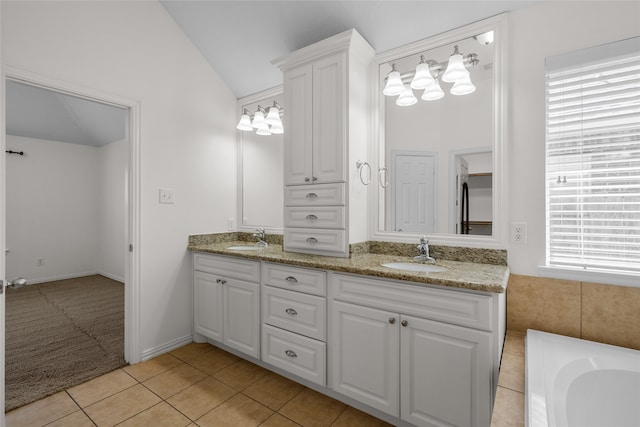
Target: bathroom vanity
[{"x": 410, "y": 347}]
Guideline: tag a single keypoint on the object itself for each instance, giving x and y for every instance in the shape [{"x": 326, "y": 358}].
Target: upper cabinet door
[
  {"x": 298, "y": 125},
  {"x": 329, "y": 109}
]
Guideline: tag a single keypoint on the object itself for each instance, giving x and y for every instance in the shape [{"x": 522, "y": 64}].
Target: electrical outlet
[
  {"x": 39, "y": 262},
  {"x": 519, "y": 232},
  {"x": 167, "y": 195}
]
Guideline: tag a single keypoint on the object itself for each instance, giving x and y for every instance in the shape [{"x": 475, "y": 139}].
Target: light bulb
[
  {"x": 258, "y": 119},
  {"x": 455, "y": 68},
  {"x": 394, "y": 84},
  {"x": 273, "y": 117},
  {"x": 423, "y": 77},
  {"x": 463, "y": 87},
  {"x": 433, "y": 92},
  {"x": 406, "y": 98},
  {"x": 245, "y": 122}
]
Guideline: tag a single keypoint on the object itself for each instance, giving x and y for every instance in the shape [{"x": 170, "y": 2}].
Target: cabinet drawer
[
  {"x": 302, "y": 356},
  {"x": 296, "y": 312},
  {"x": 315, "y": 240},
  {"x": 315, "y": 217},
  {"x": 459, "y": 308},
  {"x": 229, "y": 267},
  {"x": 314, "y": 195},
  {"x": 297, "y": 279}
]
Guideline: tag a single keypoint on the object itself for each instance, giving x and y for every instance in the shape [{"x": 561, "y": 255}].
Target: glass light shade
[
  {"x": 463, "y": 87},
  {"x": 406, "y": 98},
  {"x": 394, "y": 84},
  {"x": 455, "y": 69},
  {"x": 258, "y": 119},
  {"x": 423, "y": 77},
  {"x": 433, "y": 92},
  {"x": 244, "y": 123},
  {"x": 263, "y": 129},
  {"x": 273, "y": 116},
  {"x": 277, "y": 129}
]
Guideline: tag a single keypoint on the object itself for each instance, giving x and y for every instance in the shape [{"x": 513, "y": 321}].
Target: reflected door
[{"x": 414, "y": 193}]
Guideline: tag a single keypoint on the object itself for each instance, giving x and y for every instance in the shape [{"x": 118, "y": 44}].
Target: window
[{"x": 593, "y": 158}]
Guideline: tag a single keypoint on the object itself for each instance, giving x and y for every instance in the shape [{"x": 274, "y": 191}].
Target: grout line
[{"x": 81, "y": 408}]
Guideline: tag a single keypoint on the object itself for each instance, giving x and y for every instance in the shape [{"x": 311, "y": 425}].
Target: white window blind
[{"x": 593, "y": 158}]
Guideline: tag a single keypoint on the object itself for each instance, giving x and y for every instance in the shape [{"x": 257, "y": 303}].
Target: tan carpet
[{"x": 61, "y": 334}]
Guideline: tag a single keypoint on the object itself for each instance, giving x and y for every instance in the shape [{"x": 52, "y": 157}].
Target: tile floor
[{"x": 195, "y": 385}]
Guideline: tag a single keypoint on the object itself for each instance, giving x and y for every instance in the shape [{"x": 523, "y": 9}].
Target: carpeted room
[{"x": 66, "y": 211}]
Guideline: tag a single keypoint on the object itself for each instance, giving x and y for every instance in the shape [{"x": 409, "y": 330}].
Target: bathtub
[{"x": 576, "y": 383}]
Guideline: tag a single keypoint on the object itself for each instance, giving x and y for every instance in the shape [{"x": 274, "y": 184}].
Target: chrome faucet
[
  {"x": 423, "y": 250},
  {"x": 260, "y": 234}
]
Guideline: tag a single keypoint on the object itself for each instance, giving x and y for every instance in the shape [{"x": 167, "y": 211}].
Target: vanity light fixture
[
  {"x": 265, "y": 123},
  {"x": 427, "y": 76}
]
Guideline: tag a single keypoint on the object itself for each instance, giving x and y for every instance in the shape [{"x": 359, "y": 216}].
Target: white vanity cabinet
[
  {"x": 326, "y": 121},
  {"x": 294, "y": 320},
  {"x": 226, "y": 300},
  {"x": 422, "y": 354}
]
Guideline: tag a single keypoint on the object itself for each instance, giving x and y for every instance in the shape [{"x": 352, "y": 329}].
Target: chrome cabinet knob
[
  {"x": 392, "y": 320},
  {"x": 306, "y": 179},
  {"x": 404, "y": 323}
]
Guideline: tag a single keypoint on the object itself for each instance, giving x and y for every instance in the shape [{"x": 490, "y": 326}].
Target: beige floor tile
[
  {"x": 174, "y": 380},
  {"x": 351, "y": 417},
  {"x": 241, "y": 374},
  {"x": 144, "y": 370},
  {"x": 99, "y": 388},
  {"x": 43, "y": 411},
  {"x": 214, "y": 360},
  {"x": 160, "y": 415},
  {"x": 201, "y": 397},
  {"x": 191, "y": 352},
  {"x": 239, "y": 411},
  {"x": 121, "y": 406},
  {"x": 273, "y": 390},
  {"x": 277, "y": 420},
  {"x": 514, "y": 343},
  {"x": 508, "y": 410},
  {"x": 512, "y": 372},
  {"x": 77, "y": 419},
  {"x": 312, "y": 409}
]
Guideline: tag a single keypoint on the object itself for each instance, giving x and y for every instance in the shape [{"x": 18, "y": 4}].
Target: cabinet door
[
  {"x": 298, "y": 126},
  {"x": 242, "y": 316},
  {"x": 445, "y": 374},
  {"x": 365, "y": 360},
  {"x": 329, "y": 110},
  {"x": 207, "y": 303}
]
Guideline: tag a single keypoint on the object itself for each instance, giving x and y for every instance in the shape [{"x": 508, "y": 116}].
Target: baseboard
[
  {"x": 150, "y": 353},
  {"x": 60, "y": 277},
  {"x": 111, "y": 276}
]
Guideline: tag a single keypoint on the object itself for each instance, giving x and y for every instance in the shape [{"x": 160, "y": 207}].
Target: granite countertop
[{"x": 464, "y": 275}]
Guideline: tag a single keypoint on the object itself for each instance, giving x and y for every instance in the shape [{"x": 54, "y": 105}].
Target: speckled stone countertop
[{"x": 474, "y": 276}]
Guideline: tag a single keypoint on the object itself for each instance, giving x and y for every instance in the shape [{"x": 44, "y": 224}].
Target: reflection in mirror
[
  {"x": 260, "y": 174},
  {"x": 438, "y": 156}
]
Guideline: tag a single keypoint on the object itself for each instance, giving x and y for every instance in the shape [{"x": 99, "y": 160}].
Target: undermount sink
[
  {"x": 409, "y": 266},
  {"x": 244, "y": 248}
]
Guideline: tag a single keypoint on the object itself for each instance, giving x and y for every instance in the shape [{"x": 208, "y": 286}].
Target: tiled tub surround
[
  {"x": 596, "y": 312},
  {"x": 467, "y": 268}
]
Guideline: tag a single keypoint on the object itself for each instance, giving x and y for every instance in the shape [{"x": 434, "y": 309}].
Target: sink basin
[
  {"x": 244, "y": 248},
  {"x": 410, "y": 266}
]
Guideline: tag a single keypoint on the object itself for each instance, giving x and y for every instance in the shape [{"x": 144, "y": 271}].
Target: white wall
[
  {"x": 549, "y": 28},
  {"x": 135, "y": 50},
  {"x": 52, "y": 209},
  {"x": 113, "y": 160}
]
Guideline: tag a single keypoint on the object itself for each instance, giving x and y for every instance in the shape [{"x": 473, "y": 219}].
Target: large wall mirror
[
  {"x": 260, "y": 175},
  {"x": 440, "y": 162}
]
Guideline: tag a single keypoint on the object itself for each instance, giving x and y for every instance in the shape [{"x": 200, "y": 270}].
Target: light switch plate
[{"x": 167, "y": 195}]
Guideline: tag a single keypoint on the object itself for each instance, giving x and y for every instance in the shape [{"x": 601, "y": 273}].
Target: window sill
[{"x": 592, "y": 276}]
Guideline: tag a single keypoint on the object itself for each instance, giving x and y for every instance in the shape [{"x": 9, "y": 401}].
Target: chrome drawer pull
[
  {"x": 291, "y": 353},
  {"x": 291, "y": 279},
  {"x": 312, "y": 240},
  {"x": 291, "y": 311},
  {"x": 311, "y": 195},
  {"x": 312, "y": 216}
]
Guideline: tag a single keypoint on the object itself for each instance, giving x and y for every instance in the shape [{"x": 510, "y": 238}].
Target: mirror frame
[
  {"x": 265, "y": 95},
  {"x": 498, "y": 240}
]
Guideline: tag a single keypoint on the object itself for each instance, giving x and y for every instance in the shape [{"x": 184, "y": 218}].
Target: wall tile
[
  {"x": 611, "y": 314},
  {"x": 550, "y": 305}
]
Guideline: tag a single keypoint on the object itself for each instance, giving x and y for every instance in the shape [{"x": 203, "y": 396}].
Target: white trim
[
  {"x": 604, "y": 277},
  {"x": 111, "y": 276},
  {"x": 498, "y": 240},
  {"x": 152, "y": 352},
  {"x": 61, "y": 277},
  {"x": 132, "y": 352}
]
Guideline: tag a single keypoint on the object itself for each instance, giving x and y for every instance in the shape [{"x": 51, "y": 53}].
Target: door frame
[{"x": 132, "y": 353}]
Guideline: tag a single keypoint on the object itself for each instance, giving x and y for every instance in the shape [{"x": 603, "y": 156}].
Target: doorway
[{"x": 414, "y": 191}]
